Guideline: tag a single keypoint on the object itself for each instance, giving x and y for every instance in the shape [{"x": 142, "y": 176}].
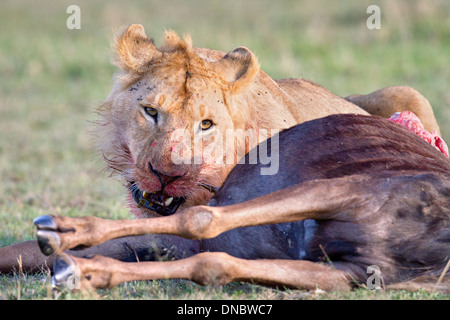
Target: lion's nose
[{"x": 164, "y": 178}]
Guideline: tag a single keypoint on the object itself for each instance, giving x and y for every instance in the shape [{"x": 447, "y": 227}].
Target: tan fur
[
  {"x": 187, "y": 85},
  {"x": 389, "y": 100}
]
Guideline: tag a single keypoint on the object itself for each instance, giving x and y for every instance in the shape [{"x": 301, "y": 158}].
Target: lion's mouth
[{"x": 159, "y": 202}]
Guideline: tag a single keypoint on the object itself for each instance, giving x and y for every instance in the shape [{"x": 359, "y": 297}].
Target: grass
[
  {"x": 52, "y": 79},
  {"x": 38, "y": 286}
]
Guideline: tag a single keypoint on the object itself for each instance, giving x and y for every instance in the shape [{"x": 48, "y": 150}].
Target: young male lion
[{"x": 205, "y": 94}]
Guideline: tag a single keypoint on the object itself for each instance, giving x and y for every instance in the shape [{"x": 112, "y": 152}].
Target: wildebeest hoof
[
  {"x": 48, "y": 240},
  {"x": 66, "y": 275},
  {"x": 45, "y": 222}
]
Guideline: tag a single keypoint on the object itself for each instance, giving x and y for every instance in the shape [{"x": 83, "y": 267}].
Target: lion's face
[
  {"x": 164, "y": 125},
  {"x": 167, "y": 122}
]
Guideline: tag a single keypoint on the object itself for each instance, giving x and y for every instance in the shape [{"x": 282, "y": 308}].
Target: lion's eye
[
  {"x": 151, "y": 111},
  {"x": 206, "y": 124}
]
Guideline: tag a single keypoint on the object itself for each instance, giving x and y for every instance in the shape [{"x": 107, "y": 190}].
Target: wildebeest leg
[
  {"x": 27, "y": 256},
  {"x": 315, "y": 199},
  {"x": 209, "y": 268},
  {"x": 340, "y": 198}
]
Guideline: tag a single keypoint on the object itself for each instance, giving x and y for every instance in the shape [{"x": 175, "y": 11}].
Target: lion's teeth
[
  {"x": 146, "y": 195},
  {"x": 168, "y": 201}
]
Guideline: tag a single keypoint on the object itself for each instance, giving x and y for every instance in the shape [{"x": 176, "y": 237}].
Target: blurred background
[{"x": 53, "y": 78}]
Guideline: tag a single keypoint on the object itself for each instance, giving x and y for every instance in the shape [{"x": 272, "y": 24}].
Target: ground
[{"x": 53, "y": 78}]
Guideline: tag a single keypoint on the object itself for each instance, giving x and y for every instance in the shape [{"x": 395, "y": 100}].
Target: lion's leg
[
  {"x": 387, "y": 101},
  {"x": 209, "y": 268},
  {"x": 316, "y": 199}
]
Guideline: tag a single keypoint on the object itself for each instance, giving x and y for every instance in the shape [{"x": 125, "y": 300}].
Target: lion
[
  {"x": 176, "y": 99},
  {"x": 207, "y": 93}
]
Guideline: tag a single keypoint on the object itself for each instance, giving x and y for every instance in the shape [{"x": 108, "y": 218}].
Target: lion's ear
[
  {"x": 135, "y": 50},
  {"x": 239, "y": 67}
]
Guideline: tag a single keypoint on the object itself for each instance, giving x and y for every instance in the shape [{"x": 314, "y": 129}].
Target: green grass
[
  {"x": 52, "y": 79},
  {"x": 38, "y": 286}
]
